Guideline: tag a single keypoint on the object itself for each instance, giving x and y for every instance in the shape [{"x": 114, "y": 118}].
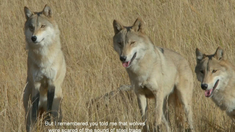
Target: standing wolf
[
  {"x": 46, "y": 66},
  {"x": 154, "y": 72},
  {"x": 217, "y": 77}
]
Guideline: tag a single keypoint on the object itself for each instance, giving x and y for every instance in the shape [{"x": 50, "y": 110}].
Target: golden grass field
[{"x": 93, "y": 67}]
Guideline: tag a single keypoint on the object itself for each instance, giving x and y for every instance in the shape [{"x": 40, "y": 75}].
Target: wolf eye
[
  {"x": 31, "y": 27},
  {"x": 202, "y": 72},
  {"x": 42, "y": 26},
  {"x": 133, "y": 42},
  {"x": 214, "y": 71}
]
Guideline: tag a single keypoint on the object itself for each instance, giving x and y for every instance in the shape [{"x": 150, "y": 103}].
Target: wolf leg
[
  {"x": 56, "y": 109},
  {"x": 185, "y": 95},
  {"x": 26, "y": 97},
  {"x": 35, "y": 102},
  {"x": 159, "y": 99},
  {"x": 165, "y": 115},
  {"x": 142, "y": 102},
  {"x": 50, "y": 98}
]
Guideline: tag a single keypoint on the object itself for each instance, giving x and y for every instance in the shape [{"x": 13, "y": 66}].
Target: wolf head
[
  {"x": 211, "y": 71},
  {"x": 39, "y": 27},
  {"x": 129, "y": 42}
]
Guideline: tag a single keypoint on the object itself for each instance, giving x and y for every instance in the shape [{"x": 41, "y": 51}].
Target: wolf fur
[
  {"x": 154, "y": 72},
  {"x": 46, "y": 67},
  {"x": 217, "y": 77}
]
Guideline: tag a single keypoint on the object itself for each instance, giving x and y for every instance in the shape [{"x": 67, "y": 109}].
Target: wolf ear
[
  {"x": 138, "y": 25},
  {"x": 199, "y": 55},
  {"x": 117, "y": 26},
  {"x": 27, "y": 12},
  {"x": 219, "y": 53},
  {"x": 47, "y": 11}
]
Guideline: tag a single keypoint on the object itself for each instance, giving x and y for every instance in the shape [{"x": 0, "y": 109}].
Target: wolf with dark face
[{"x": 217, "y": 78}]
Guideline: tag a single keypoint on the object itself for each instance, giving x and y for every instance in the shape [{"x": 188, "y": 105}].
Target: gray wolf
[
  {"x": 154, "y": 72},
  {"x": 46, "y": 67},
  {"x": 217, "y": 77}
]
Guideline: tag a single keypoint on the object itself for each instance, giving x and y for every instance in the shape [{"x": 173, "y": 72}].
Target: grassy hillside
[{"x": 93, "y": 68}]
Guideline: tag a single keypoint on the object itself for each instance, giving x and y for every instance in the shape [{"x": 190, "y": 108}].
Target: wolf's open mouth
[
  {"x": 209, "y": 93},
  {"x": 127, "y": 64}
]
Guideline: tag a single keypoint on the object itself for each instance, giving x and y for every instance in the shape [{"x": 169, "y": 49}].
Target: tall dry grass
[{"x": 93, "y": 68}]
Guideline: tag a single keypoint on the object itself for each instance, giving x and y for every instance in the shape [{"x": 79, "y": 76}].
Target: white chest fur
[
  {"x": 47, "y": 72},
  {"x": 224, "y": 101}
]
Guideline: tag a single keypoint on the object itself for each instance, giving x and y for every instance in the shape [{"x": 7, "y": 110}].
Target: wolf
[
  {"x": 154, "y": 72},
  {"x": 217, "y": 77},
  {"x": 46, "y": 67}
]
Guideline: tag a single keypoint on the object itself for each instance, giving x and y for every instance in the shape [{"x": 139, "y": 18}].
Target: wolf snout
[
  {"x": 204, "y": 86},
  {"x": 123, "y": 58},
  {"x": 34, "y": 38}
]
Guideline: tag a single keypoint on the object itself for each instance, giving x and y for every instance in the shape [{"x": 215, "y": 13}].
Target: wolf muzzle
[
  {"x": 204, "y": 86},
  {"x": 34, "y": 38},
  {"x": 123, "y": 58}
]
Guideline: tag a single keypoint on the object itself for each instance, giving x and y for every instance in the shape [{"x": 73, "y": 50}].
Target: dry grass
[{"x": 93, "y": 68}]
